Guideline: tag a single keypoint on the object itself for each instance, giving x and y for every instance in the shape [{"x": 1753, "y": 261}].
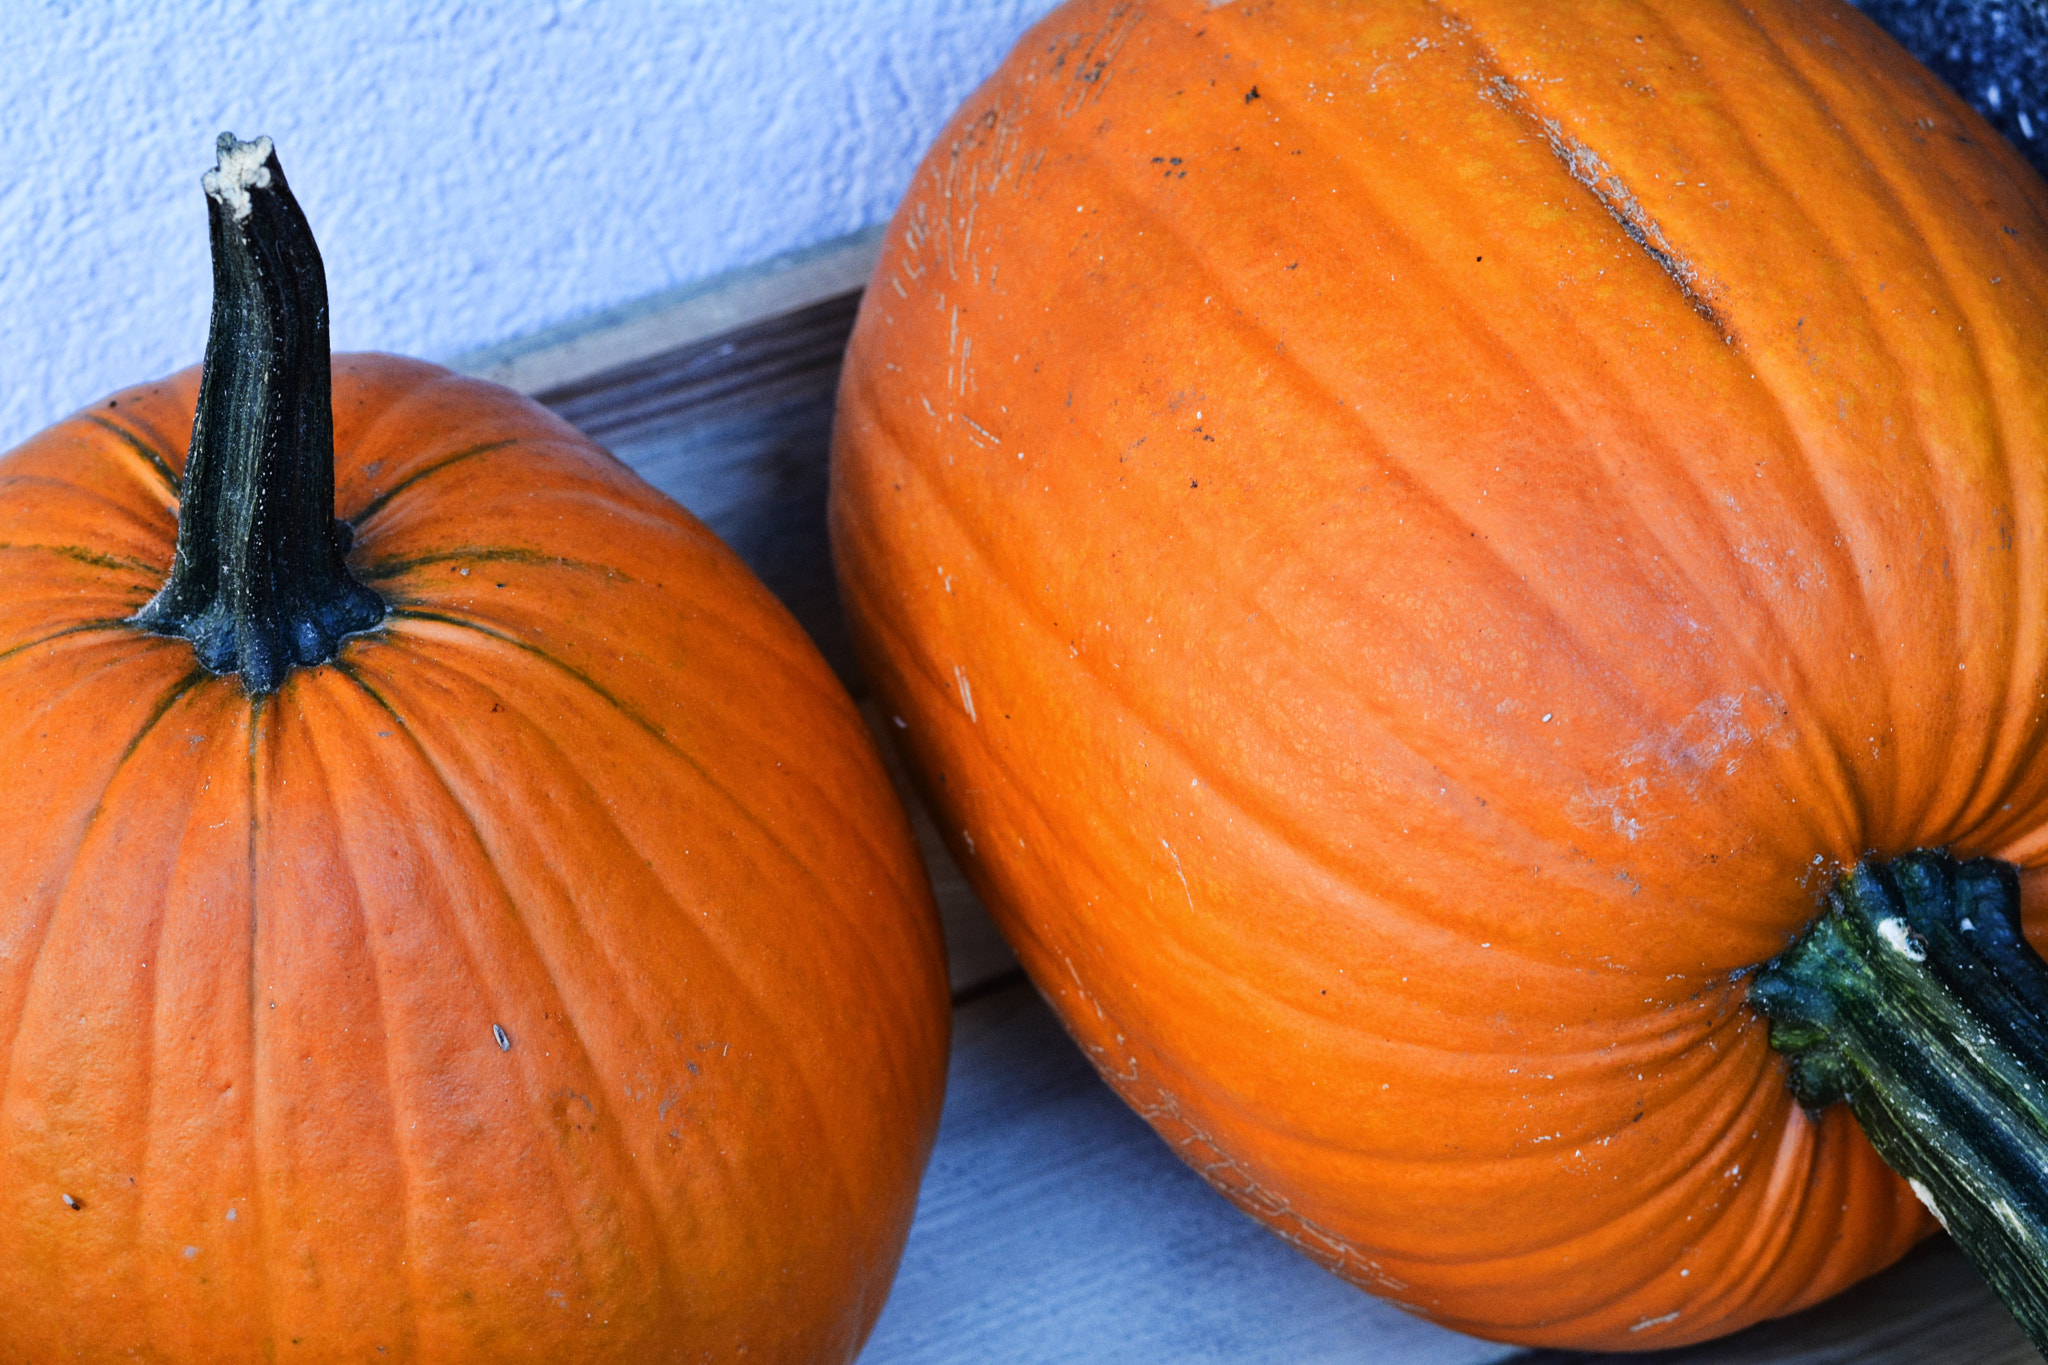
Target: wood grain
[
  {"x": 603, "y": 343},
  {"x": 1054, "y": 1227}
]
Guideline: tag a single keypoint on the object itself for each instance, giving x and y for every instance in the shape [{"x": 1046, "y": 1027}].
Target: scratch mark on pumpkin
[
  {"x": 1612, "y": 193},
  {"x": 1586, "y": 167},
  {"x": 986, "y": 155},
  {"x": 1092, "y": 56},
  {"x": 1179, "y": 873},
  {"x": 966, "y": 692},
  {"x": 980, "y": 434}
]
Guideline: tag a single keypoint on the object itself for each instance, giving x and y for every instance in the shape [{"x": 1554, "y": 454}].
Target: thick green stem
[
  {"x": 259, "y": 584},
  {"x": 1916, "y": 999}
]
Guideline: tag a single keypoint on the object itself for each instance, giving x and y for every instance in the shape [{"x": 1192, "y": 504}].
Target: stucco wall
[{"x": 475, "y": 171}]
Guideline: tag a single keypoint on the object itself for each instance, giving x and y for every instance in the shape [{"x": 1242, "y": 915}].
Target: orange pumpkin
[
  {"x": 549, "y": 975},
  {"x": 1410, "y": 545}
]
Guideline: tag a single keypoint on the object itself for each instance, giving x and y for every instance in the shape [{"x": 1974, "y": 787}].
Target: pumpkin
[
  {"x": 1411, "y": 547},
  {"x": 492, "y": 938}
]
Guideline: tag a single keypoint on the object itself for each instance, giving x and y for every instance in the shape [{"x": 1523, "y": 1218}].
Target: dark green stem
[
  {"x": 1917, "y": 1000},
  {"x": 259, "y": 584}
]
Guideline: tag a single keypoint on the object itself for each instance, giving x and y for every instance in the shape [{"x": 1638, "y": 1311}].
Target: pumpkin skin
[
  {"x": 588, "y": 785},
  {"x": 1409, "y": 545}
]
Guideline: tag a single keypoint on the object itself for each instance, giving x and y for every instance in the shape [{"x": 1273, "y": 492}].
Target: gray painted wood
[
  {"x": 660, "y": 323},
  {"x": 1053, "y": 1226}
]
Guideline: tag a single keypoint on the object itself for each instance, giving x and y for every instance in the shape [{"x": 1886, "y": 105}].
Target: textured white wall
[{"x": 474, "y": 171}]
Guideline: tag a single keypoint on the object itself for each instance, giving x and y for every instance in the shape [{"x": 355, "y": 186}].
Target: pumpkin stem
[
  {"x": 259, "y": 583},
  {"x": 1916, "y": 998}
]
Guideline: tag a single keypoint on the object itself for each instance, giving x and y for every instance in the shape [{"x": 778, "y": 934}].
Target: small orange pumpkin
[
  {"x": 548, "y": 974},
  {"x": 1411, "y": 543}
]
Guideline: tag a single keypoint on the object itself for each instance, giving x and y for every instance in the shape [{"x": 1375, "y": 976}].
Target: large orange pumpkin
[
  {"x": 1410, "y": 544},
  {"x": 549, "y": 975}
]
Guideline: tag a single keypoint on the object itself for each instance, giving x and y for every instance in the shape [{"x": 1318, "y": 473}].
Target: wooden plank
[
  {"x": 676, "y": 318},
  {"x": 1053, "y": 1225}
]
